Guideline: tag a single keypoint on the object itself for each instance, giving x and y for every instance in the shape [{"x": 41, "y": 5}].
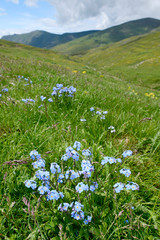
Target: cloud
[
  {"x": 14, "y": 1},
  {"x": 2, "y": 12},
  {"x": 31, "y": 3},
  {"x": 105, "y": 13}
]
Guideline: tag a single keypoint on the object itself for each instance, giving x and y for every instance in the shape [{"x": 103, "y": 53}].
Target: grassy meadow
[{"x": 51, "y": 127}]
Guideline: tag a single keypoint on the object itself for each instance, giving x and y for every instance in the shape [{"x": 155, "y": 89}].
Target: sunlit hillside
[{"x": 80, "y": 143}]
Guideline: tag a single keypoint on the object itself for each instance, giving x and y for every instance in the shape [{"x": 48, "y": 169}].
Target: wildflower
[
  {"x": 5, "y": 90},
  {"x": 54, "y": 93},
  {"x": 0, "y": 95},
  {"x": 112, "y": 129},
  {"x": 55, "y": 168},
  {"x": 50, "y": 100},
  {"x": 65, "y": 157},
  {"x": 60, "y": 178},
  {"x": 38, "y": 164},
  {"x": 92, "y": 109},
  {"x": 108, "y": 159},
  {"x": 43, "y": 189},
  {"x": 118, "y": 187},
  {"x": 42, "y": 98},
  {"x": 42, "y": 175},
  {"x": 84, "y": 72},
  {"x": 61, "y": 194},
  {"x": 85, "y": 221},
  {"x": 59, "y": 86},
  {"x": 126, "y": 172},
  {"x": 127, "y": 153},
  {"x": 34, "y": 154},
  {"x": 86, "y": 152},
  {"x": 83, "y": 120},
  {"x": 118, "y": 160},
  {"x": 98, "y": 113},
  {"x": 102, "y": 117},
  {"x": 105, "y": 112},
  {"x": 31, "y": 184},
  {"x": 81, "y": 187},
  {"x": 77, "y": 145},
  {"x": 132, "y": 186},
  {"x": 53, "y": 195}
]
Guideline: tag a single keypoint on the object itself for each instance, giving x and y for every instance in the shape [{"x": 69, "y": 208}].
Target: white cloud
[
  {"x": 105, "y": 12},
  {"x": 31, "y": 3},
  {"x": 14, "y": 1},
  {"x": 2, "y": 12}
]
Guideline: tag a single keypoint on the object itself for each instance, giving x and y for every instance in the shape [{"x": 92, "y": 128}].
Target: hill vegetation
[
  {"x": 108, "y": 113},
  {"x": 108, "y": 36},
  {"x": 131, "y": 60},
  {"x": 44, "y": 39}
]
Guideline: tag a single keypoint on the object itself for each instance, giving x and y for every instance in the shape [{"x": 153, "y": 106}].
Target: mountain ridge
[{"x": 81, "y": 42}]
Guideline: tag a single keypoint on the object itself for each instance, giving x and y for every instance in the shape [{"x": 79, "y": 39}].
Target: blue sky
[{"x": 59, "y": 16}]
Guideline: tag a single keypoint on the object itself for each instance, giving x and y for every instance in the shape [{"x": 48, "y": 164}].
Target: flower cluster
[
  {"x": 112, "y": 129},
  {"x": 78, "y": 179},
  {"x": 110, "y": 160},
  {"x": 129, "y": 186},
  {"x": 28, "y": 100},
  {"x": 60, "y": 91},
  {"x": 101, "y": 114},
  {"x": 49, "y": 183},
  {"x": 25, "y": 79},
  {"x": 5, "y": 90},
  {"x": 126, "y": 172}
]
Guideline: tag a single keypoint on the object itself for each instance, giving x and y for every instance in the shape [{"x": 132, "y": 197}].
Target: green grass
[
  {"x": 52, "y": 128},
  {"x": 108, "y": 36},
  {"x": 131, "y": 60}
]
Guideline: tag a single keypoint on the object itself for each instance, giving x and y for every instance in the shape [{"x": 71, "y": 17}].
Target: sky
[{"x": 60, "y": 16}]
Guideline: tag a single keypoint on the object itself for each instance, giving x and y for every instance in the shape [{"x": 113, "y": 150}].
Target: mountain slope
[
  {"x": 133, "y": 59},
  {"x": 107, "y": 36},
  {"x": 44, "y": 39}
]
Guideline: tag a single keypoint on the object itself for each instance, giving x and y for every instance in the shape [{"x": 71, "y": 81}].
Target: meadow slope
[{"x": 50, "y": 127}]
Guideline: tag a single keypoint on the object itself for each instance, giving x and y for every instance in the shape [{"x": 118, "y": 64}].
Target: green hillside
[
  {"x": 44, "y": 39},
  {"x": 108, "y": 36},
  {"x": 63, "y": 190},
  {"x": 132, "y": 59}
]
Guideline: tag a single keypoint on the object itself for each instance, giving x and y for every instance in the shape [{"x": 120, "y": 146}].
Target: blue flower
[
  {"x": 86, "y": 152},
  {"x": 43, "y": 189},
  {"x": 42, "y": 98},
  {"x": 83, "y": 120},
  {"x": 42, "y": 175},
  {"x": 98, "y": 113},
  {"x": 127, "y": 153},
  {"x": 132, "y": 186},
  {"x": 81, "y": 187},
  {"x": 110, "y": 160},
  {"x": 53, "y": 195},
  {"x": 92, "y": 109},
  {"x": 34, "y": 154},
  {"x": 31, "y": 184},
  {"x": 118, "y": 187},
  {"x": 5, "y": 90},
  {"x": 50, "y": 100},
  {"x": 55, "y": 168},
  {"x": 126, "y": 172},
  {"x": 39, "y": 163},
  {"x": 105, "y": 112},
  {"x": 77, "y": 145}
]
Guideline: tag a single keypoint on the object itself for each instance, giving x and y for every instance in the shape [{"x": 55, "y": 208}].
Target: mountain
[
  {"x": 43, "y": 39},
  {"x": 107, "y": 36},
  {"x": 135, "y": 59}
]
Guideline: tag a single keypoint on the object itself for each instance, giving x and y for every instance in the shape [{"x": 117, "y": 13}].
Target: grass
[{"x": 55, "y": 126}]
